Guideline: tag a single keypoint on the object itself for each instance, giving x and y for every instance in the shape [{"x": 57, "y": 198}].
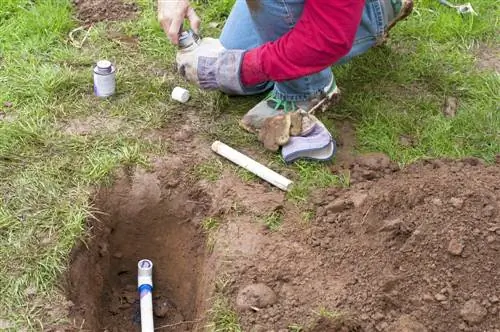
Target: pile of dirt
[
  {"x": 410, "y": 250},
  {"x": 92, "y": 11}
]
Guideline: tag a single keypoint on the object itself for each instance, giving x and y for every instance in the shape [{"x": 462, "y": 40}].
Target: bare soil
[
  {"x": 409, "y": 250},
  {"x": 93, "y": 11},
  {"x": 415, "y": 249},
  {"x": 488, "y": 58}
]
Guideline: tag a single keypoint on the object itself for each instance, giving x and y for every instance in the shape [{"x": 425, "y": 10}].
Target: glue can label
[{"x": 104, "y": 79}]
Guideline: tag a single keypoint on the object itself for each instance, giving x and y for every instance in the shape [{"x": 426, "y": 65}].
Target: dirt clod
[
  {"x": 440, "y": 297},
  {"x": 406, "y": 323},
  {"x": 255, "y": 296},
  {"x": 472, "y": 312},
  {"x": 455, "y": 247},
  {"x": 457, "y": 202}
]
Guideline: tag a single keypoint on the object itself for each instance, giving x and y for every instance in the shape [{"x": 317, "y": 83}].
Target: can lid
[{"x": 104, "y": 65}]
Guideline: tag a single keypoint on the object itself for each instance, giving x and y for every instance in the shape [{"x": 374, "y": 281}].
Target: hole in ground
[{"x": 140, "y": 223}]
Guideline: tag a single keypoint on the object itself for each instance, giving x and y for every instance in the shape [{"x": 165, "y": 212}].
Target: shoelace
[{"x": 279, "y": 104}]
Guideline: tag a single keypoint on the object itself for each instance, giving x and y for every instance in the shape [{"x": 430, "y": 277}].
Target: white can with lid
[{"x": 104, "y": 79}]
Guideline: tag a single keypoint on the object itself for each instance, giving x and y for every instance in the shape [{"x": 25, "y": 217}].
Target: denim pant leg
[
  {"x": 246, "y": 29},
  {"x": 372, "y": 27}
]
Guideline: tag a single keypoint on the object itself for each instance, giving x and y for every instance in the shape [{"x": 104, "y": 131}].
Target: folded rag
[{"x": 315, "y": 144}]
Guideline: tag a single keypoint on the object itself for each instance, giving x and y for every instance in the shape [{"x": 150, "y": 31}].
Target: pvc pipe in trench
[
  {"x": 251, "y": 165},
  {"x": 145, "y": 287}
]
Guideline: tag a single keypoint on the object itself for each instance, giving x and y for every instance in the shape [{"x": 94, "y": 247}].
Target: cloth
[
  {"x": 292, "y": 43},
  {"x": 316, "y": 144},
  {"x": 211, "y": 66}
]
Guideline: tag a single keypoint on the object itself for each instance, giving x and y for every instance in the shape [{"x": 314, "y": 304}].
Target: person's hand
[
  {"x": 211, "y": 66},
  {"x": 171, "y": 14}
]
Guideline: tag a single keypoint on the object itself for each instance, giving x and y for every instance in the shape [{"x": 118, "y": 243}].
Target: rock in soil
[
  {"x": 255, "y": 296},
  {"x": 455, "y": 247},
  {"x": 472, "y": 312}
]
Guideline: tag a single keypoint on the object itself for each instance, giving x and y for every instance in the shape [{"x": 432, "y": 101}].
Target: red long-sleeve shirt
[{"x": 324, "y": 33}]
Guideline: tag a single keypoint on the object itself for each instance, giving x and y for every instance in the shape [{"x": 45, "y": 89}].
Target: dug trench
[{"x": 142, "y": 216}]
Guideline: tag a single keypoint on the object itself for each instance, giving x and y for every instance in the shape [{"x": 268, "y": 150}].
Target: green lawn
[{"x": 48, "y": 172}]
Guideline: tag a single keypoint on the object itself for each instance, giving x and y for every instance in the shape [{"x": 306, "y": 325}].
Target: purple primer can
[{"x": 104, "y": 79}]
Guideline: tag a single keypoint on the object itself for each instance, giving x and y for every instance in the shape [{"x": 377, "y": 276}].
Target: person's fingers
[
  {"x": 173, "y": 31},
  {"x": 194, "y": 20},
  {"x": 165, "y": 24}
]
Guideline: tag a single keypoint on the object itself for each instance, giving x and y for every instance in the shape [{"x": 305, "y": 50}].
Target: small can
[
  {"x": 188, "y": 39},
  {"x": 104, "y": 79}
]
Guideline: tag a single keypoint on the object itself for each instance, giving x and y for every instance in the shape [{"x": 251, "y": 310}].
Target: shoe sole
[
  {"x": 404, "y": 13},
  {"x": 331, "y": 99}
]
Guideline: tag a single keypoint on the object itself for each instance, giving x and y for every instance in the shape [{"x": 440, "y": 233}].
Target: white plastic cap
[
  {"x": 180, "y": 94},
  {"x": 145, "y": 272},
  {"x": 104, "y": 64}
]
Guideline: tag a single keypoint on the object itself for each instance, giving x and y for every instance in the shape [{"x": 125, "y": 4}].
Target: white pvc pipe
[
  {"x": 145, "y": 284},
  {"x": 252, "y": 166}
]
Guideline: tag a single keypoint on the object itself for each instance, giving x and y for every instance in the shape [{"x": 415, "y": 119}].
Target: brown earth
[
  {"x": 414, "y": 250},
  {"x": 488, "y": 57},
  {"x": 93, "y": 11},
  {"x": 400, "y": 250}
]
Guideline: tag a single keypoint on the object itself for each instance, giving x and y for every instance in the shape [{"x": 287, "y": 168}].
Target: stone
[
  {"x": 472, "y": 312},
  {"x": 437, "y": 201},
  {"x": 162, "y": 307},
  {"x": 457, "y": 202},
  {"x": 255, "y": 295},
  {"x": 440, "y": 297},
  {"x": 455, "y": 247}
]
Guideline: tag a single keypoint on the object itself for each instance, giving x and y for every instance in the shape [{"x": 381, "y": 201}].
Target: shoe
[
  {"x": 398, "y": 10},
  {"x": 272, "y": 106},
  {"x": 317, "y": 145}
]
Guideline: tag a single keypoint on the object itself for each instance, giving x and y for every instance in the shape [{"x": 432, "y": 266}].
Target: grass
[
  {"x": 48, "y": 173},
  {"x": 210, "y": 226},
  {"x": 222, "y": 317},
  {"x": 273, "y": 220}
]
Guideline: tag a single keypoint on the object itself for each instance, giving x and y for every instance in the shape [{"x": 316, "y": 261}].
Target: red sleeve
[{"x": 324, "y": 33}]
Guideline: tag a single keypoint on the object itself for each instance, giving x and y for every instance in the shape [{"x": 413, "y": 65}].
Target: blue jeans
[{"x": 246, "y": 30}]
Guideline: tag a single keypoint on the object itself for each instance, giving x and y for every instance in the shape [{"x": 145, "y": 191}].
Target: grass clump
[
  {"x": 273, "y": 220},
  {"x": 222, "y": 317},
  {"x": 210, "y": 226}
]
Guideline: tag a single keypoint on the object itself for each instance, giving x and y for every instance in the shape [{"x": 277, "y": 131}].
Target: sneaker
[
  {"x": 398, "y": 11},
  {"x": 272, "y": 106}
]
